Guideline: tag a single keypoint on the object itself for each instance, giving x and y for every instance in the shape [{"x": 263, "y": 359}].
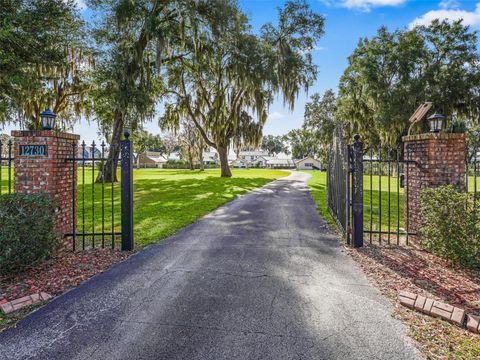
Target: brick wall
[
  {"x": 440, "y": 160},
  {"x": 50, "y": 173}
]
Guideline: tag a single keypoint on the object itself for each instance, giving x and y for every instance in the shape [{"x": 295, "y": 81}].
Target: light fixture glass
[{"x": 48, "y": 119}]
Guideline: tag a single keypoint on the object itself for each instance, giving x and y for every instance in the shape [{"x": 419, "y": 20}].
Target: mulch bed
[
  {"x": 394, "y": 268},
  {"x": 57, "y": 275}
]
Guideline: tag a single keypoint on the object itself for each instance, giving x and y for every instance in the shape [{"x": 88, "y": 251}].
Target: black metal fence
[
  {"x": 472, "y": 158},
  {"x": 102, "y": 212},
  {"x": 338, "y": 181},
  {"x": 366, "y": 193},
  {"x": 386, "y": 198},
  {"x": 6, "y": 167}
]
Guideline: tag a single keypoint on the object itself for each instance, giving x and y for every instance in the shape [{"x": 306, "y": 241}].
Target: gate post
[
  {"x": 40, "y": 165},
  {"x": 127, "y": 193},
  {"x": 357, "y": 192},
  {"x": 434, "y": 159}
]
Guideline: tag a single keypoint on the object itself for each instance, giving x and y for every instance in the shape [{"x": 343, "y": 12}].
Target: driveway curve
[{"x": 259, "y": 278}]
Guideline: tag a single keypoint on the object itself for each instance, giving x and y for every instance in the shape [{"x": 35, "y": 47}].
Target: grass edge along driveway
[{"x": 167, "y": 200}]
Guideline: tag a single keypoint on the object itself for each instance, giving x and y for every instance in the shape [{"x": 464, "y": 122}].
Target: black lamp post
[
  {"x": 48, "y": 119},
  {"x": 436, "y": 121}
]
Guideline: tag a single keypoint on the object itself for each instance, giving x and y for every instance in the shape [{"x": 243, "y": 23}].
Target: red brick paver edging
[
  {"x": 19, "y": 303},
  {"x": 440, "y": 310}
]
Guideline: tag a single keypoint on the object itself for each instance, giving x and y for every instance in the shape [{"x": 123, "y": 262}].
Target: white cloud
[
  {"x": 365, "y": 5},
  {"x": 276, "y": 115},
  {"x": 471, "y": 18},
  {"x": 449, "y": 4}
]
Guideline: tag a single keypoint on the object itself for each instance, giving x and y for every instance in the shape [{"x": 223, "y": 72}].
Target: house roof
[
  {"x": 253, "y": 153},
  {"x": 308, "y": 157},
  {"x": 210, "y": 156},
  {"x": 154, "y": 156},
  {"x": 275, "y": 161}
]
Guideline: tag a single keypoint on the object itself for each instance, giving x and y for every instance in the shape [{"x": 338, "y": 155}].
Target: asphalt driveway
[{"x": 259, "y": 278}]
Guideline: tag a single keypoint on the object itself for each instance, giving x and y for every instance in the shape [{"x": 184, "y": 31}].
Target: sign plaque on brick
[{"x": 33, "y": 150}]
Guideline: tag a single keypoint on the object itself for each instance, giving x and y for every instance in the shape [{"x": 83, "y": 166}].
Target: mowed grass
[
  {"x": 167, "y": 200},
  {"x": 164, "y": 200},
  {"x": 388, "y": 216},
  {"x": 371, "y": 200}
]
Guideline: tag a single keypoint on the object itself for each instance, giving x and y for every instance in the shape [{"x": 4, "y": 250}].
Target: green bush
[
  {"x": 450, "y": 226},
  {"x": 27, "y": 233}
]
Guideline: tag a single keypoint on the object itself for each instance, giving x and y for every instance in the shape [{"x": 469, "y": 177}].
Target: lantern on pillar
[
  {"x": 436, "y": 121},
  {"x": 48, "y": 119}
]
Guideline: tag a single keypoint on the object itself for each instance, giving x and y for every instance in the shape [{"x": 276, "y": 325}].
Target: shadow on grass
[{"x": 163, "y": 205}]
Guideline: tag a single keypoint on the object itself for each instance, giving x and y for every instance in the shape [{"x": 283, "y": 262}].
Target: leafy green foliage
[
  {"x": 27, "y": 232},
  {"x": 303, "y": 143},
  {"x": 230, "y": 75},
  {"x": 274, "y": 144},
  {"x": 43, "y": 63},
  {"x": 144, "y": 141},
  {"x": 140, "y": 41},
  {"x": 450, "y": 225},
  {"x": 320, "y": 119},
  {"x": 390, "y": 75}
]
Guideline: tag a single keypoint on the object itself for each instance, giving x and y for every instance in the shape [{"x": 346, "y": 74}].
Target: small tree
[
  {"x": 274, "y": 145},
  {"x": 303, "y": 143},
  {"x": 320, "y": 120}
]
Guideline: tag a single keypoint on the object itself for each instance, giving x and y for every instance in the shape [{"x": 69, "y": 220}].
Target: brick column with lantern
[
  {"x": 437, "y": 159},
  {"x": 41, "y": 165}
]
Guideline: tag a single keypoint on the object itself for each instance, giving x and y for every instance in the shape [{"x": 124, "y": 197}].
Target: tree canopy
[
  {"x": 274, "y": 145},
  {"x": 43, "y": 63},
  {"x": 229, "y": 77},
  {"x": 320, "y": 120},
  {"x": 390, "y": 75},
  {"x": 140, "y": 40}
]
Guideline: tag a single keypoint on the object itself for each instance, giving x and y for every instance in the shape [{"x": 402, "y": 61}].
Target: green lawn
[
  {"x": 318, "y": 186},
  {"x": 164, "y": 200},
  {"x": 373, "y": 193}
]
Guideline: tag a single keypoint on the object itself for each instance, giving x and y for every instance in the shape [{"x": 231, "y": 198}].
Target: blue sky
[{"x": 345, "y": 22}]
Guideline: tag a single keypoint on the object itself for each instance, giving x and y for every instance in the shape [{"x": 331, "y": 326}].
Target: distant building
[
  {"x": 150, "y": 159},
  {"x": 308, "y": 163},
  {"x": 275, "y": 163},
  {"x": 251, "y": 156},
  {"x": 211, "y": 158},
  {"x": 89, "y": 153},
  {"x": 261, "y": 159}
]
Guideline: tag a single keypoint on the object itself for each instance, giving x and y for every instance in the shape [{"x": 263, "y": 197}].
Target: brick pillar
[
  {"x": 48, "y": 171},
  {"x": 440, "y": 160}
]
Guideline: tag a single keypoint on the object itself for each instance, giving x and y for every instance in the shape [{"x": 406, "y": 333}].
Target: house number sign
[{"x": 33, "y": 150}]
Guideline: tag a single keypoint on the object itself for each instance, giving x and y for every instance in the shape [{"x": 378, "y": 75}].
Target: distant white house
[
  {"x": 88, "y": 153},
  {"x": 308, "y": 163},
  {"x": 275, "y": 163},
  {"x": 239, "y": 163},
  {"x": 261, "y": 159},
  {"x": 211, "y": 158},
  {"x": 150, "y": 159},
  {"x": 251, "y": 156}
]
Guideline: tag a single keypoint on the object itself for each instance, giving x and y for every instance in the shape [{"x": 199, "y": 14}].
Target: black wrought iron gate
[
  {"x": 386, "y": 201},
  {"x": 345, "y": 187},
  {"x": 102, "y": 213},
  {"x": 338, "y": 182}
]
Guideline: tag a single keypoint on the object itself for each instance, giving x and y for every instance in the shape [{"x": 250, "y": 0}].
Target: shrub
[
  {"x": 450, "y": 226},
  {"x": 27, "y": 233}
]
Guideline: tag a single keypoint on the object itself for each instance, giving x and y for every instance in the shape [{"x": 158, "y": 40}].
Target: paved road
[{"x": 259, "y": 278}]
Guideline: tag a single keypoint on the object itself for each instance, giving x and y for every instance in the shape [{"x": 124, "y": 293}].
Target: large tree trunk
[
  {"x": 110, "y": 172},
  {"x": 223, "y": 154},
  {"x": 200, "y": 156},
  {"x": 190, "y": 160}
]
